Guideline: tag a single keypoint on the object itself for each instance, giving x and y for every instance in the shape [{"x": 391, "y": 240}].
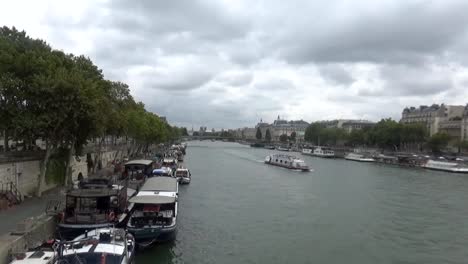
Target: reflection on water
[{"x": 239, "y": 210}]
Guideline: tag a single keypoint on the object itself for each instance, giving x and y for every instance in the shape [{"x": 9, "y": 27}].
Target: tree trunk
[
  {"x": 43, "y": 169},
  {"x": 5, "y": 140},
  {"x": 68, "y": 171}
]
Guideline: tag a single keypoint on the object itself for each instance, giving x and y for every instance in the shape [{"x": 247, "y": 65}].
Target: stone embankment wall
[
  {"x": 25, "y": 172},
  {"x": 30, "y": 233}
]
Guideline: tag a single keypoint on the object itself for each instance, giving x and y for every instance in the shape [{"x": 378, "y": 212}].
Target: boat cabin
[
  {"x": 138, "y": 169},
  {"x": 163, "y": 171},
  {"x": 94, "y": 206}
]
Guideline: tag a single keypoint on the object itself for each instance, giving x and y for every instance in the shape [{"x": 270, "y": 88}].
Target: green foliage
[
  {"x": 258, "y": 135},
  {"x": 292, "y": 137},
  {"x": 283, "y": 138},
  {"x": 268, "y": 135},
  {"x": 438, "y": 141},
  {"x": 386, "y": 134},
  {"x": 64, "y": 99},
  {"x": 56, "y": 167}
]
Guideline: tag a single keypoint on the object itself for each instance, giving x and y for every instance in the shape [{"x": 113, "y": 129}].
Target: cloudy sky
[{"x": 228, "y": 63}]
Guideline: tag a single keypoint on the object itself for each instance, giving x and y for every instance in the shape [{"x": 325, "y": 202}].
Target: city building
[
  {"x": 347, "y": 124},
  {"x": 436, "y": 118},
  {"x": 464, "y": 125}
]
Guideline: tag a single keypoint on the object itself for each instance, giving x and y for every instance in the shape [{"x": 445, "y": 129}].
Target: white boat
[
  {"x": 358, "y": 157},
  {"x": 183, "y": 175},
  {"x": 307, "y": 151},
  {"x": 280, "y": 148},
  {"x": 40, "y": 255},
  {"x": 104, "y": 245},
  {"x": 323, "y": 152},
  {"x": 287, "y": 161},
  {"x": 445, "y": 166}
]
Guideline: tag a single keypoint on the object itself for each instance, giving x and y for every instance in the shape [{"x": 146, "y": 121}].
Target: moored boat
[
  {"x": 163, "y": 171},
  {"x": 154, "y": 215},
  {"x": 287, "y": 161},
  {"x": 281, "y": 148},
  {"x": 136, "y": 172},
  {"x": 323, "y": 152},
  {"x": 183, "y": 175},
  {"x": 94, "y": 206},
  {"x": 358, "y": 157},
  {"x": 104, "y": 245},
  {"x": 269, "y": 146},
  {"x": 307, "y": 151},
  {"x": 44, "y": 254},
  {"x": 445, "y": 166}
]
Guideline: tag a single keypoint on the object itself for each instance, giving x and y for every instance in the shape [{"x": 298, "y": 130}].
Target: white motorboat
[
  {"x": 323, "y": 152},
  {"x": 44, "y": 254},
  {"x": 183, "y": 175},
  {"x": 358, "y": 157},
  {"x": 445, "y": 166},
  {"x": 287, "y": 161},
  {"x": 103, "y": 245},
  {"x": 307, "y": 151}
]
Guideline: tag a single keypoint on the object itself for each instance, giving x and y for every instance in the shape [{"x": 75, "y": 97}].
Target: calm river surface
[{"x": 239, "y": 210}]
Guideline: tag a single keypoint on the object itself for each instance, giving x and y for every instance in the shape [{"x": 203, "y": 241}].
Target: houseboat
[
  {"x": 154, "y": 215},
  {"x": 104, "y": 245},
  {"x": 183, "y": 175},
  {"x": 94, "y": 206},
  {"x": 287, "y": 161},
  {"x": 445, "y": 166},
  {"x": 136, "y": 172},
  {"x": 358, "y": 157}
]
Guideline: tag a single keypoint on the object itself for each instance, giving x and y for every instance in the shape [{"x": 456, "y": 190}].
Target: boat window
[
  {"x": 71, "y": 201},
  {"x": 276, "y": 160}
]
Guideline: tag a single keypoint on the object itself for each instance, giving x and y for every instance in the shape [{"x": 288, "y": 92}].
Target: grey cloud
[
  {"x": 336, "y": 74},
  {"x": 406, "y": 34},
  {"x": 275, "y": 84},
  {"x": 401, "y": 80},
  {"x": 235, "y": 78}
]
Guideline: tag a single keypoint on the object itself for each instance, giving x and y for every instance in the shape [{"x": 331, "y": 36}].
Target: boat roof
[
  {"x": 169, "y": 160},
  {"x": 100, "y": 248},
  {"x": 181, "y": 169},
  {"x": 36, "y": 257},
  {"x": 139, "y": 162},
  {"x": 153, "y": 199},
  {"x": 160, "y": 184},
  {"x": 102, "y": 192}
]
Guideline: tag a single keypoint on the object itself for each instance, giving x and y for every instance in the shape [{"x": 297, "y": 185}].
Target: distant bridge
[{"x": 208, "y": 137}]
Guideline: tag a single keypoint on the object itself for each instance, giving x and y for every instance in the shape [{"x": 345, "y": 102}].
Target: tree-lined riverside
[{"x": 65, "y": 100}]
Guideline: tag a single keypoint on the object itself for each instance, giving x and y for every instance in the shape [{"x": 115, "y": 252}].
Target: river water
[{"x": 239, "y": 210}]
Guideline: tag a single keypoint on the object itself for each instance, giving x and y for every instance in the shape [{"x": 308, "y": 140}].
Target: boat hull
[
  {"x": 286, "y": 167},
  {"x": 147, "y": 236},
  {"x": 184, "y": 180},
  {"x": 446, "y": 169}
]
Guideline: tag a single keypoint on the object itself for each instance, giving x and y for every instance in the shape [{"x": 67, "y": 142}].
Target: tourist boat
[
  {"x": 44, "y": 254},
  {"x": 183, "y": 175},
  {"x": 104, "y": 245},
  {"x": 307, "y": 151},
  {"x": 358, "y": 157},
  {"x": 445, "y": 166},
  {"x": 269, "y": 146},
  {"x": 94, "y": 206},
  {"x": 287, "y": 161},
  {"x": 154, "y": 215},
  {"x": 323, "y": 152}
]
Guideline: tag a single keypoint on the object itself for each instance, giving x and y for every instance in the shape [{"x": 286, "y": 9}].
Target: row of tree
[
  {"x": 65, "y": 100},
  {"x": 386, "y": 134},
  {"x": 282, "y": 137}
]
